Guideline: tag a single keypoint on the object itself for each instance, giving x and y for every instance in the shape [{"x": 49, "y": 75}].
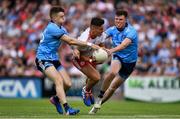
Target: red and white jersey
[{"x": 85, "y": 36}]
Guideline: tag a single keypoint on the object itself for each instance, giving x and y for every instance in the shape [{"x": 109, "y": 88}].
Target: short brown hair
[
  {"x": 120, "y": 12},
  {"x": 55, "y": 10},
  {"x": 97, "y": 21}
]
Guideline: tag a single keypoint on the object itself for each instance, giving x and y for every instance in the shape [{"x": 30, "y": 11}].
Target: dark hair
[
  {"x": 55, "y": 10},
  {"x": 96, "y": 21},
  {"x": 120, "y": 12}
]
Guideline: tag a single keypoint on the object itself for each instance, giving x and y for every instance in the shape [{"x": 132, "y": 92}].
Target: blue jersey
[
  {"x": 50, "y": 42},
  {"x": 130, "y": 53}
]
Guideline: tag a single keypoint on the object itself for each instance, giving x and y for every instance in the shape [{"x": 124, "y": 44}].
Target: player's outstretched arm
[
  {"x": 73, "y": 41},
  {"x": 121, "y": 46}
]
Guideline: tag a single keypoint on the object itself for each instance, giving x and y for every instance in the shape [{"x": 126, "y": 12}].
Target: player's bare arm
[
  {"x": 73, "y": 41},
  {"x": 121, "y": 46},
  {"x": 105, "y": 37},
  {"x": 76, "y": 53}
]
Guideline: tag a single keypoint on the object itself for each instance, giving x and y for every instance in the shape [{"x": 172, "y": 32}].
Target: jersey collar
[
  {"x": 121, "y": 29},
  {"x": 55, "y": 23}
]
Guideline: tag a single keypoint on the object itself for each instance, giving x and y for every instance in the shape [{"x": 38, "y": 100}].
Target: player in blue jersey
[
  {"x": 124, "y": 57},
  {"x": 47, "y": 58}
]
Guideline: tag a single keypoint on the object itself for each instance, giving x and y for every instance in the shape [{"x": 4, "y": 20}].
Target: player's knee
[
  {"x": 58, "y": 81},
  {"x": 112, "y": 73},
  {"x": 69, "y": 84},
  {"x": 97, "y": 77},
  {"x": 112, "y": 89}
]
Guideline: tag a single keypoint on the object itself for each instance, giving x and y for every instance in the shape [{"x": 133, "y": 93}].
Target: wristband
[{"x": 89, "y": 44}]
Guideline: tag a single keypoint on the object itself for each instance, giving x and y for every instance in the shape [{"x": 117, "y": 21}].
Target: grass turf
[{"x": 41, "y": 108}]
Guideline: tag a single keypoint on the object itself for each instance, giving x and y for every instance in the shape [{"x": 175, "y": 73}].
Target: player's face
[
  {"x": 60, "y": 18},
  {"x": 96, "y": 30},
  {"x": 120, "y": 21}
]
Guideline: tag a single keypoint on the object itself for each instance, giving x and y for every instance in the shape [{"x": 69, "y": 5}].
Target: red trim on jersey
[{"x": 81, "y": 63}]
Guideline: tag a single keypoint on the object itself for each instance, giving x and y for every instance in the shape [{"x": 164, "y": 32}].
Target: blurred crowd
[{"x": 157, "y": 23}]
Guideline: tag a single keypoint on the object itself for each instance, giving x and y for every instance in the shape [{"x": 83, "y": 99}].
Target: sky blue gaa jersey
[
  {"x": 130, "y": 53},
  {"x": 50, "y": 42}
]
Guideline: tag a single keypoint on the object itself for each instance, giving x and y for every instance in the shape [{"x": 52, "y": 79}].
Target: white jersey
[{"x": 87, "y": 51}]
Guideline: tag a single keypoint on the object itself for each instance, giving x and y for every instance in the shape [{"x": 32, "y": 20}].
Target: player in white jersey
[{"x": 83, "y": 57}]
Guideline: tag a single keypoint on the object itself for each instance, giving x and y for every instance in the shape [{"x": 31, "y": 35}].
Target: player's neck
[
  {"x": 121, "y": 29},
  {"x": 56, "y": 23}
]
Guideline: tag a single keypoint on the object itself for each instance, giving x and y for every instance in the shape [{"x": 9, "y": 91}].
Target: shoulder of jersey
[
  {"x": 63, "y": 28},
  {"x": 130, "y": 29},
  {"x": 112, "y": 27},
  {"x": 85, "y": 32},
  {"x": 52, "y": 26}
]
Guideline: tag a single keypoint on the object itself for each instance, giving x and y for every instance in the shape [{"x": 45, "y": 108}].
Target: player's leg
[
  {"x": 115, "y": 67},
  {"x": 92, "y": 74},
  {"x": 93, "y": 77},
  {"x": 66, "y": 79},
  {"x": 67, "y": 84},
  {"x": 117, "y": 81},
  {"x": 109, "y": 92},
  {"x": 54, "y": 75},
  {"x": 48, "y": 68},
  {"x": 123, "y": 74},
  {"x": 89, "y": 70}
]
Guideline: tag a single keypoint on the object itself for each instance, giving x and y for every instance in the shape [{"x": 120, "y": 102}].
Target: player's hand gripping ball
[{"x": 100, "y": 55}]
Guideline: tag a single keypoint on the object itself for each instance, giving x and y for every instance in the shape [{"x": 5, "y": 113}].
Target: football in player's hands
[{"x": 100, "y": 55}]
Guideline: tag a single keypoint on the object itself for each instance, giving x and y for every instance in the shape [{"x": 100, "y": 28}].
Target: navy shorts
[
  {"x": 44, "y": 64},
  {"x": 126, "y": 68}
]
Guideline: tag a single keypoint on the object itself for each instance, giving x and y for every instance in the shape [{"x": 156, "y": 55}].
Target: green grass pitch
[{"x": 42, "y": 109}]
